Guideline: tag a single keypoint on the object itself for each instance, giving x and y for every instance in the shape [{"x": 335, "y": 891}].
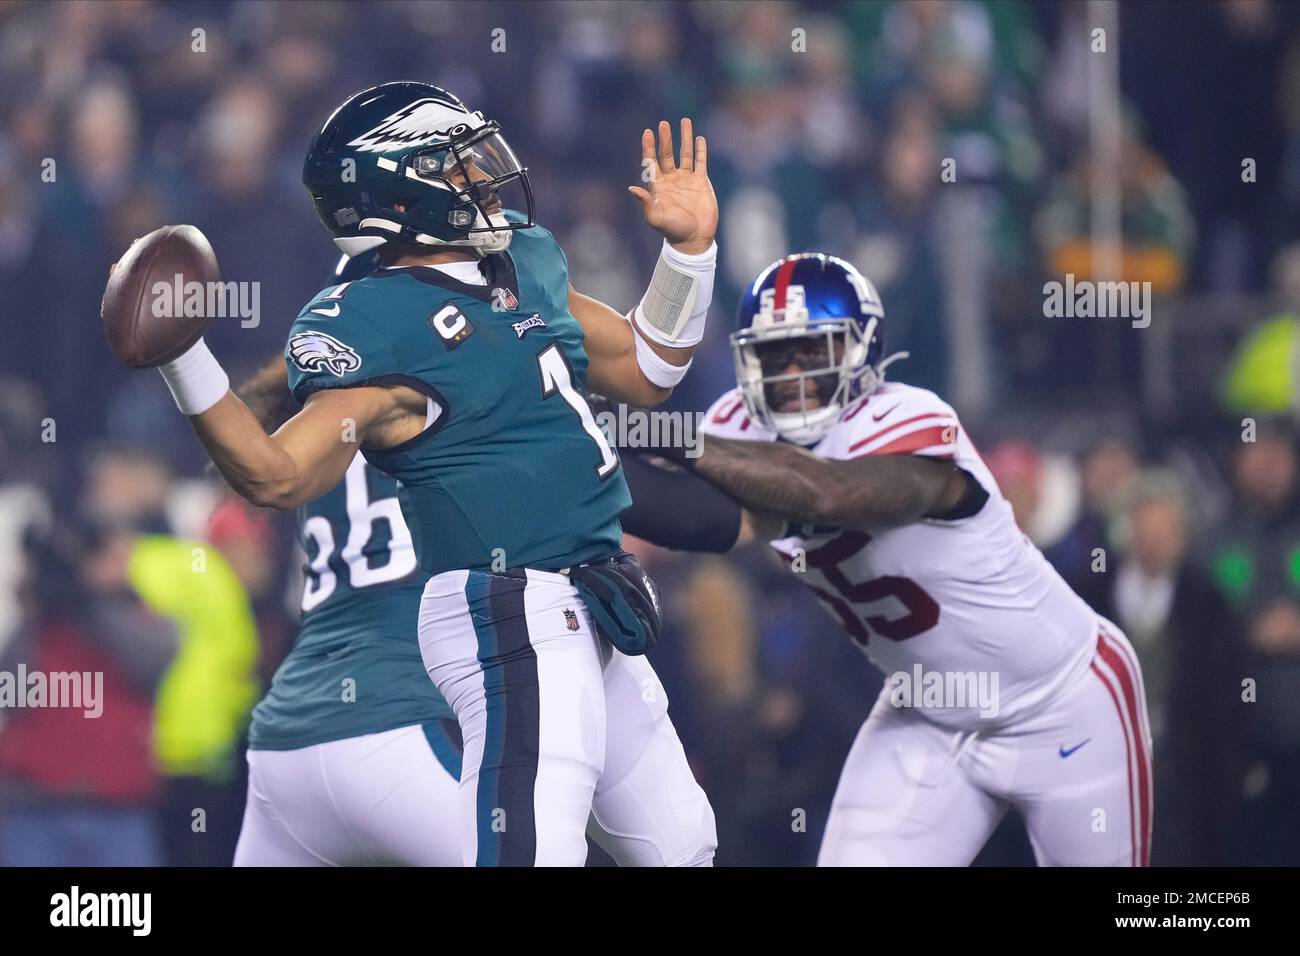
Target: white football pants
[
  {"x": 380, "y": 799},
  {"x": 563, "y": 734},
  {"x": 913, "y": 793}
]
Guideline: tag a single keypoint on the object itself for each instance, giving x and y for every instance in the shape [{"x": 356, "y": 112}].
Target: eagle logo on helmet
[
  {"x": 416, "y": 124},
  {"x": 318, "y": 352},
  {"x": 404, "y": 140}
]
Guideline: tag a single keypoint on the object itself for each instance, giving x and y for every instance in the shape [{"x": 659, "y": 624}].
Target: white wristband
[
  {"x": 196, "y": 379},
  {"x": 654, "y": 368},
  {"x": 674, "y": 307}
]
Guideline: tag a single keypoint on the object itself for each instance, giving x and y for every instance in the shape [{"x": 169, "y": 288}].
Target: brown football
[{"x": 150, "y": 315}]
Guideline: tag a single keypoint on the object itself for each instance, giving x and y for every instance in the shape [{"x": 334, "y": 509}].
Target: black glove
[{"x": 622, "y": 601}]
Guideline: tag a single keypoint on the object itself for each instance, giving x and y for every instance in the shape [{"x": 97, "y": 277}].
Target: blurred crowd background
[{"x": 1171, "y": 448}]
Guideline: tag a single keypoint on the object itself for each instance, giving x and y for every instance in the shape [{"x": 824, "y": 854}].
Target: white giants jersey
[{"x": 971, "y": 598}]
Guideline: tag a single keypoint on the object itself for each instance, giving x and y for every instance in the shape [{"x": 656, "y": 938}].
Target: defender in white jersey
[{"x": 1003, "y": 688}]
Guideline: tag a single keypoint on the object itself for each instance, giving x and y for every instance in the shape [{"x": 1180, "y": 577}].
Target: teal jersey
[
  {"x": 355, "y": 668},
  {"x": 514, "y": 470}
]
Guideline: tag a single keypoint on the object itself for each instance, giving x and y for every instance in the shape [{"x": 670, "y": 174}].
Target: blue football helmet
[
  {"x": 820, "y": 316},
  {"x": 417, "y": 147}
]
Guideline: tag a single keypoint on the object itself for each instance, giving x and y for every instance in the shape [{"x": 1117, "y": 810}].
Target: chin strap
[
  {"x": 890, "y": 360},
  {"x": 874, "y": 376}
]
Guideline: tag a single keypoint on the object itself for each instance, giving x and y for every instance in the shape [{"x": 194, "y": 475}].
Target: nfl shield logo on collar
[
  {"x": 505, "y": 299},
  {"x": 570, "y": 619}
]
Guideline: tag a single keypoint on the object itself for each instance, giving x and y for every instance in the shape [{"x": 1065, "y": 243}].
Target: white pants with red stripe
[{"x": 913, "y": 793}]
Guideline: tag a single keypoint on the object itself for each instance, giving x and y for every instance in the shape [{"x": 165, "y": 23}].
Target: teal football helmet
[{"x": 409, "y": 162}]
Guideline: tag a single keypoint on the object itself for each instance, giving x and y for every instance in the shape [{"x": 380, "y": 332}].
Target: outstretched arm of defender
[{"x": 871, "y": 492}]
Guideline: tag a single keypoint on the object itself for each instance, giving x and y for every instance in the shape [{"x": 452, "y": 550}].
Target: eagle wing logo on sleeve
[{"x": 318, "y": 352}]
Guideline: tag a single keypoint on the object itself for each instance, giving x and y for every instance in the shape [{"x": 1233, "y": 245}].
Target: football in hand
[{"x": 155, "y": 305}]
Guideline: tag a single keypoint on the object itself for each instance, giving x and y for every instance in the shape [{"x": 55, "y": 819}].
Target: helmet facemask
[
  {"x": 477, "y": 169},
  {"x": 831, "y": 357}
]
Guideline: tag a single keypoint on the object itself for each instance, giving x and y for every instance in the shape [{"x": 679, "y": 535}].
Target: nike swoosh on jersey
[
  {"x": 1065, "y": 753},
  {"x": 327, "y": 313},
  {"x": 876, "y": 418}
]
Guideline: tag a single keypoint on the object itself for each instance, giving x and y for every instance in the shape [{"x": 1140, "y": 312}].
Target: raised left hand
[{"x": 679, "y": 201}]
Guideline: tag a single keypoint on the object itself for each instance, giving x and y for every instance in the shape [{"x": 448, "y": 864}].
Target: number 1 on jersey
[{"x": 558, "y": 377}]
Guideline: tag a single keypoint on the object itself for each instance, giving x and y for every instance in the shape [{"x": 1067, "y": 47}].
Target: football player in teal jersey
[
  {"x": 458, "y": 369},
  {"x": 354, "y": 756}
]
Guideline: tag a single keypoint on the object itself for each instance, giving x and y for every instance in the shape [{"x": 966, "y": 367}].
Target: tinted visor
[{"x": 486, "y": 175}]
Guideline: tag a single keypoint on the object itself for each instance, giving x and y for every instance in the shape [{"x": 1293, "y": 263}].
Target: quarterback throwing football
[
  {"x": 354, "y": 757},
  {"x": 458, "y": 369}
]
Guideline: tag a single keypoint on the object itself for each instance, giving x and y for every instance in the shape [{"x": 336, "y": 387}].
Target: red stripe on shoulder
[
  {"x": 894, "y": 427},
  {"x": 722, "y": 416},
  {"x": 915, "y": 441}
]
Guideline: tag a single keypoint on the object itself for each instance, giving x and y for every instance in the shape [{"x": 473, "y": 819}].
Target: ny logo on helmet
[
  {"x": 415, "y": 124},
  {"x": 795, "y": 309},
  {"x": 317, "y": 352}
]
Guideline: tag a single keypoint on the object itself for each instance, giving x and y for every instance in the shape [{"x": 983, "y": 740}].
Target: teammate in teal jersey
[
  {"x": 458, "y": 370},
  {"x": 354, "y": 757},
  {"x": 362, "y": 581}
]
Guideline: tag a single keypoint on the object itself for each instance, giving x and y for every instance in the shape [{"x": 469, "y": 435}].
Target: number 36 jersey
[
  {"x": 971, "y": 596},
  {"x": 513, "y": 469},
  {"x": 355, "y": 668}
]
